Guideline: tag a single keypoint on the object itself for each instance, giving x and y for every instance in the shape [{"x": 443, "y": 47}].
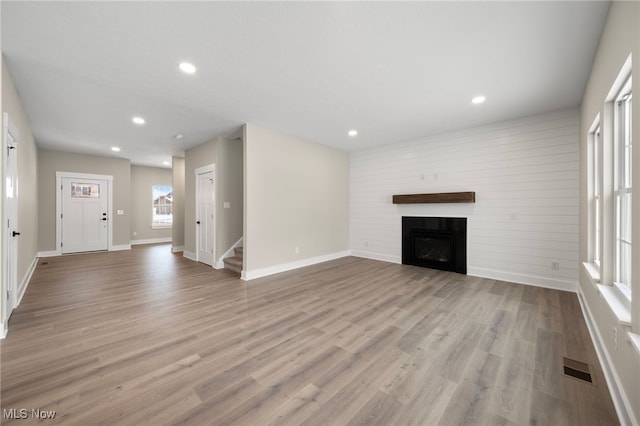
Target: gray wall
[
  {"x": 142, "y": 179},
  {"x": 200, "y": 156},
  {"x": 50, "y": 162},
  {"x": 229, "y": 187},
  {"x": 177, "y": 232},
  {"x": 227, "y": 156},
  {"x": 27, "y": 180},
  {"x": 296, "y": 196},
  {"x": 620, "y": 38}
]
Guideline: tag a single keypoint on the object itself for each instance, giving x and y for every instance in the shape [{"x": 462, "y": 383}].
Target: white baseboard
[
  {"x": 620, "y": 401},
  {"x": 554, "y": 284},
  {"x": 376, "y": 256},
  {"x": 177, "y": 249},
  {"x": 189, "y": 255},
  {"x": 151, "y": 241},
  {"x": 52, "y": 253},
  {"x": 26, "y": 280},
  {"x": 276, "y": 269},
  {"x": 22, "y": 288}
]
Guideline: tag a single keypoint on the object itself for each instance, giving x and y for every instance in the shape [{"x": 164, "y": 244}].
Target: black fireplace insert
[{"x": 435, "y": 242}]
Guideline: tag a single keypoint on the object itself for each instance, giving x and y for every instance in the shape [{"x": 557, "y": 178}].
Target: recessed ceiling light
[
  {"x": 115, "y": 149},
  {"x": 166, "y": 163},
  {"x": 138, "y": 120},
  {"x": 187, "y": 67},
  {"x": 353, "y": 133},
  {"x": 179, "y": 136},
  {"x": 478, "y": 100}
]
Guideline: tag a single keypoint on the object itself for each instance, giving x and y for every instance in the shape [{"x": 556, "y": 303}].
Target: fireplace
[{"x": 435, "y": 242}]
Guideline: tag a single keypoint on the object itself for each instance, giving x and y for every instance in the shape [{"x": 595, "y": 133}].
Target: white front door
[
  {"x": 10, "y": 216},
  {"x": 205, "y": 217},
  {"x": 84, "y": 221}
]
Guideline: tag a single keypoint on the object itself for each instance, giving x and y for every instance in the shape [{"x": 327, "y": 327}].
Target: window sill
[
  {"x": 161, "y": 226},
  {"x": 635, "y": 340},
  {"x": 593, "y": 271},
  {"x": 617, "y": 302}
]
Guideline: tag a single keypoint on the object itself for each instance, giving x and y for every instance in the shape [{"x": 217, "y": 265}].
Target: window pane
[
  {"x": 162, "y": 205},
  {"x": 624, "y": 276},
  {"x": 596, "y": 249},
  {"x": 85, "y": 190},
  {"x": 627, "y": 167},
  {"x": 623, "y": 189},
  {"x": 625, "y": 219},
  {"x": 595, "y": 176},
  {"x": 596, "y": 162}
]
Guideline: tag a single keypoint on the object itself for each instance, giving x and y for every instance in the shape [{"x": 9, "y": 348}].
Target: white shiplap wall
[{"x": 525, "y": 174}]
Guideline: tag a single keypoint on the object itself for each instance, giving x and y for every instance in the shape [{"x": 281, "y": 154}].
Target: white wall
[
  {"x": 524, "y": 173},
  {"x": 620, "y": 38},
  {"x": 295, "y": 196}
]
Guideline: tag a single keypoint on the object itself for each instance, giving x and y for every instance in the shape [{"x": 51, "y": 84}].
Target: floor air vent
[{"x": 577, "y": 369}]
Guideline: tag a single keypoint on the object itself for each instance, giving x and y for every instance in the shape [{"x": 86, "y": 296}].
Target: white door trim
[
  {"x": 9, "y": 211},
  {"x": 200, "y": 171},
  {"x": 72, "y": 175}
]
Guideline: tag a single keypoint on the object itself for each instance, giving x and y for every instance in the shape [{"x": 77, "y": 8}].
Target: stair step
[
  {"x": 233, "y": 261},
  {"x": 233, "y": 264},
  {"x": 239, "y": 251}
]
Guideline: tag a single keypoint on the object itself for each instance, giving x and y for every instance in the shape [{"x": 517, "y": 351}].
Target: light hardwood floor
[{"x": 148, "y": 337}]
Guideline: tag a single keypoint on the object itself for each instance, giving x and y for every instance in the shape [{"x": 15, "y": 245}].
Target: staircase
[{"x": 234, "y": 263}]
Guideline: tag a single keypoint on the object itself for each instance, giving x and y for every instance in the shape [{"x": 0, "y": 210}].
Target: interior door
[
  {"x": 85, "y": 222},
  {"x": 205, "y": 201},
  {"x": 10, "y": 215}
]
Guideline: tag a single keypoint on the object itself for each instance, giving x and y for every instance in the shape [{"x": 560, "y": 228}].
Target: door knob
[
  {"x": 104, "y": 218},
  {"x": 15, "y": 234},
  {"x": 197, "y": 222}
]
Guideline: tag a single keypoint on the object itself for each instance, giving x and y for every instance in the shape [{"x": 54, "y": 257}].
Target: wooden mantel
[{"x": 442, "y": 197}]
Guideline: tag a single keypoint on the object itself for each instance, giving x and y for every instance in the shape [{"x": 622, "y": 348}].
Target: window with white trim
[
  {"x": 596, "y": 205},
  {"x": 162, "y": 205},
  {"x": 622, "y": 189}
]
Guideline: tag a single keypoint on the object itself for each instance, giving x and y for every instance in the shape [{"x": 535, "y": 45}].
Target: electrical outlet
[
  {"x": 297, "y": 250},
  {"x": 366, "y": 243},
  {"x": 555, "y": 265},
  {"x": 135, "y": 234},
  {"x": 615, "y": 338}
]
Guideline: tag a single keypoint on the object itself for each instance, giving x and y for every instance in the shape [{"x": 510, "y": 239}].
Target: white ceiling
[{"x": 394, "y": 71}]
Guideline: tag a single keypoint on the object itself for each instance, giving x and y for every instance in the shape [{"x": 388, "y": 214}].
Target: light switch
[
  {"x": 119, "y": 212},
  {"x": 227, "y": 204}
]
